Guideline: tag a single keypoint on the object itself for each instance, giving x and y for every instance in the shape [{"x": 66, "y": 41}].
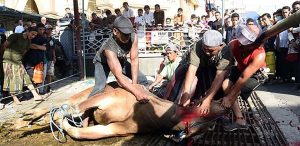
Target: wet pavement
[{"x": 282, "y": 101}]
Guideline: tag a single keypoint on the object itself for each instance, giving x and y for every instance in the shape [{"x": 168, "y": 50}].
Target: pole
[
  {"x": 83, "y": 51},
  {"x": 223, "y": 18},
  {"x": 77, "y": 36}
]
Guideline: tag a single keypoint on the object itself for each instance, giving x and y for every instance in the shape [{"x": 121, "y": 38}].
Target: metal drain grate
[{"x": 263, "y": 129}]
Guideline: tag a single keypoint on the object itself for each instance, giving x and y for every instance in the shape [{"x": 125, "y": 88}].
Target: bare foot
[
  {"x": 16, "y": 100},
  {"x": 17, "y": 103}
]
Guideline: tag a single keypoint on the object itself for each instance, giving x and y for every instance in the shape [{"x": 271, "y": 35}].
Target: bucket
[
  {"x": 270, "y": 60},
  {"x": 38, "y": 74}
]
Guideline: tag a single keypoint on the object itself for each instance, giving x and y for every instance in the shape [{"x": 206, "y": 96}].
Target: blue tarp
[{"x": 250, "y": 14}]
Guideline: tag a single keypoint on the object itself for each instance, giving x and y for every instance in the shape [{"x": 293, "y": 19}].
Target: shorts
[
  {"x": 15, "y": 77},
  {"x": 250, "y": 85},
  {"x": 50, "y": 68}
]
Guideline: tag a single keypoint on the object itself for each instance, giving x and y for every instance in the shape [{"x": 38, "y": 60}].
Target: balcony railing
[{"x": 150, "y": 42}]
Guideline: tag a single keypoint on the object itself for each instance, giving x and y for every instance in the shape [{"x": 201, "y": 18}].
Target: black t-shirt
[{"x": 34, "y": 56}]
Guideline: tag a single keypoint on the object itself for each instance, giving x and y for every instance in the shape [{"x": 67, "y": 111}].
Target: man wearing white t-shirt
[
  {"x": 139, "y": 20},
  {"x": 127, "y": 12},
  {"x": 140, "y": 23},
  {"x": 149, "y": 19}
]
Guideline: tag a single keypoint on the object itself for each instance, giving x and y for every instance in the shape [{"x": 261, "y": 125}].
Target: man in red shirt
[{"x": 246, "y": 75}]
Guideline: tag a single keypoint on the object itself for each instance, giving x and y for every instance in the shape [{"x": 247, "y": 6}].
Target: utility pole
[
  {"x": 77, "y": 36},
  {"x": 223, "y": 26}
]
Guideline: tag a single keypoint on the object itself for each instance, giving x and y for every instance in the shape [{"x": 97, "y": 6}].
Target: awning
[
  {"x": 8, "y": 14},
  {"x": 195, "y": 2}
]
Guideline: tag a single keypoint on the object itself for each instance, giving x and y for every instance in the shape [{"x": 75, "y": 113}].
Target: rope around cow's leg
[{"x": 64, "y": 113}]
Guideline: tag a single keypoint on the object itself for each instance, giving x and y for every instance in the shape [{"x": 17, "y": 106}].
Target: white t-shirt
[
  {"x": 19, "y": 29},
  {"x": 140, "y": 20},
  {"x": 149, "y": 18},
  {"x": 128, "y": 13}
]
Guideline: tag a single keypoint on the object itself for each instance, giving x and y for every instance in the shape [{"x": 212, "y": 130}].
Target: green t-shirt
[
  {"x": 169, "y": 69},
  {"x": 199, "y": 59},
  {"x": 17, "y": 47}
]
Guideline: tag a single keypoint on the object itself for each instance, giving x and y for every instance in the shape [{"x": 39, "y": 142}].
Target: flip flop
[{"x": 42, "y": 99}]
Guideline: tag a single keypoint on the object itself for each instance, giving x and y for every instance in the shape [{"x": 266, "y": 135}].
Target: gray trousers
[{"x": 102, "y": 71}]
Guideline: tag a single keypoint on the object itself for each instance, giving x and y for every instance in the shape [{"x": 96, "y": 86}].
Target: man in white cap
[
  {"x": 168, "y": 70},
  {"x": 112, "y": 56},
  {"x": 246, "y": 75},
  {"x": 210, "y": 60}
]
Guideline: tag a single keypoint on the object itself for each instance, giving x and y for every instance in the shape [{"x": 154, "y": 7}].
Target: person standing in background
[
  {"x": 231, "y": 30},
  {"x": 179, "y": 18},
  {"x": 118, "y": 12},
  {"x": 50, "y": 56},
  {"x": 159, "y": 16},
  {"x": 96, "y": 22},
  {"x": 68, "y": 14},
  {"x": 149, "y": 18},
  {"x": 110, "y": 18},
  {"x": 281, "y": 46},
  {"x": 127, "y": 12},
  {"x": 139, "y": 21}
]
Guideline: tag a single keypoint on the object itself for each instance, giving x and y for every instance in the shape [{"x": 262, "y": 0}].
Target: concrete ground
[{"x": 283, "y": 103}]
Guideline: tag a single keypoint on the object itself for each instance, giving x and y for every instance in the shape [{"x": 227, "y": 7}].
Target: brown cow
[{"x": 117, "y": 113}]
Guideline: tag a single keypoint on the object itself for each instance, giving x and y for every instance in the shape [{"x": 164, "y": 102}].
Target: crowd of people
[
  {"x": 147, "y": 19},
  {"x": 228, "y": 68},
  {"x": 27, "y": 60}
]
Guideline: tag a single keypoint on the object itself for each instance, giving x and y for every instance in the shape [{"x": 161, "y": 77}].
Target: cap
[
  {"x": 247, "y": 34},
  {"x": 171, "y": 47},
  {"x": 123, "y": 24},
  {"x": 48, "y": 26},
  {"x": 212, "y": 38}
]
